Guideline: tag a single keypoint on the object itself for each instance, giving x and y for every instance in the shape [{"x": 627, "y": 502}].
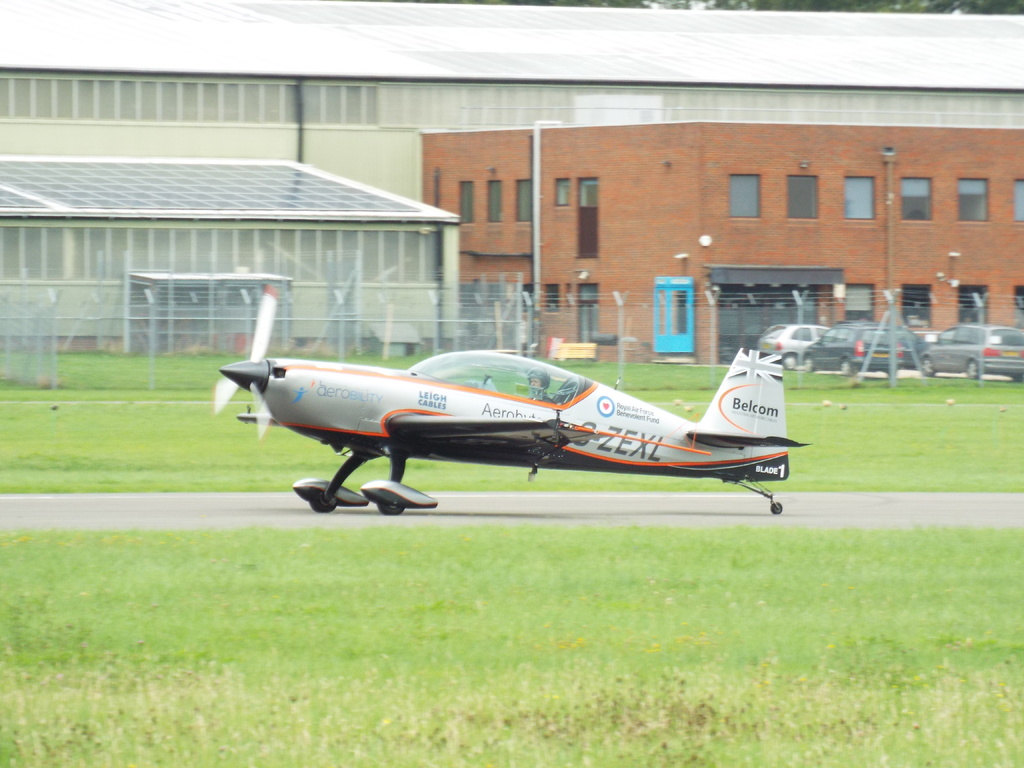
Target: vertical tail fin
[{"x": 749, "y": 408}]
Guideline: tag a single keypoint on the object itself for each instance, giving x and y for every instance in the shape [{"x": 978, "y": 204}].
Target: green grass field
[
  {"x": 106, "y": 436},
  {"x": 512, "y": 647},
  {"x": 485, "y": 646}
]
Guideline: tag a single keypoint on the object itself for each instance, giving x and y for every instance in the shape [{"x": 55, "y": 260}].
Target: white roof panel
[
  {"x": 194, "y": 189},
  {"x": 514, "y": 43}
]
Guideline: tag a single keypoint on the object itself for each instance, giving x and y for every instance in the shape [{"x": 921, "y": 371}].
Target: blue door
[{"x": 673, "y": 315}]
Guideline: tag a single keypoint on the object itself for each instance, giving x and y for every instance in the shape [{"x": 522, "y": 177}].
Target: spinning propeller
[{"x": 254, "y": 373}]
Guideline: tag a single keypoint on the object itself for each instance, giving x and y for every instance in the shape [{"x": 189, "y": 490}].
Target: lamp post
[{"x": 889, "y": 158}]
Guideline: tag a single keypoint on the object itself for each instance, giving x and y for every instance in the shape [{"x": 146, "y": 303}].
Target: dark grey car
[
  {"x": 974, "y": 349},
  {"x": 844, "y": 348}
]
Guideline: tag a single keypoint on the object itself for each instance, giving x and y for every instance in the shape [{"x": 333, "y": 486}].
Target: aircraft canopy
[{"x": 506, "y": 374}]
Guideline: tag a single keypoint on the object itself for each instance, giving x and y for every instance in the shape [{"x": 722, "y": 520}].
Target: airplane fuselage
[{"x": 350, "y": 406}]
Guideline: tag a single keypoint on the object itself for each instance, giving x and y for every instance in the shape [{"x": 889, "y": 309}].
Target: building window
[
  {"x": 1018, "y": 200},
  {"x": 916, "y": 195},
  {"x": 803, "y": 197},
  {"x": 973, "y": 195},
  {"x": 494, "y": 200},
  {"x": 587, "y": 240},
  {"x": 524, "y": 200},
  {"x": 180, "y": 101},
  {"x": 745, "y": 196},
  {"x": 586, "y": 307},
  {"x": 858, "y": 302},
  {"x": 466, "y": 201},
  {"x": 552, "y": 297},
  {"x": 562, "y": 191},
  {"x": 588, "y": 193},
  {"x": 971, "y": 301},
  {"x": 859, "y": 202},
  {"x": 917, "y": 305}
]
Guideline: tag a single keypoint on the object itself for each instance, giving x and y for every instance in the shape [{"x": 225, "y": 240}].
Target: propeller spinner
[{"x": 254, "y": 373}]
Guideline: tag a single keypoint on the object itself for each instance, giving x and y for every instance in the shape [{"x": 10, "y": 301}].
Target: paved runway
[{"x": 170, "y": 511}]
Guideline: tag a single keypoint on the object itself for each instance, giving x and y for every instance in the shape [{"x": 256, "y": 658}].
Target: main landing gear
[
  {"x": 773, "y": 505},
  {"x": 390, "y": 496}
]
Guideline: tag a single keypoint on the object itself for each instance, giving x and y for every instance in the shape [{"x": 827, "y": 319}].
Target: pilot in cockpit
[{"x": 539, "y": 383}]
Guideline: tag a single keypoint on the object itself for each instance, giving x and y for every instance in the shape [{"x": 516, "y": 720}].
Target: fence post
[
  {"x": 712, "y": 296},
  {"x": 151, "y": 300},
  {"x": 529, "y": 336},
  {"x": 620, "y": 302},
  {"x": 54, "y": 298}
]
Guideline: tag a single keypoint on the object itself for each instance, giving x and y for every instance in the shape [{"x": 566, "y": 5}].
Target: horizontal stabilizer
[{"x": 731, "y": 440}]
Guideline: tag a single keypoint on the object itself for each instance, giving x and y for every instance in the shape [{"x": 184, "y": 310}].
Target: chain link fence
[{"x": 158, "y": 314}]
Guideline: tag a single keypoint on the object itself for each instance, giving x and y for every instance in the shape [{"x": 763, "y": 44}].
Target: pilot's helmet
[{"x": 541, "y": 376}]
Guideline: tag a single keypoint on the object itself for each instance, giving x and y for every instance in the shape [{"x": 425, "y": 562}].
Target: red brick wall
[{"x": 663, "y": 186}]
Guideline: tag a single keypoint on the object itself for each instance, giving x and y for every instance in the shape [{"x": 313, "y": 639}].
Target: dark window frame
[
  {"x": 494, "y": 201},
  {"x": 849, "y": 184},
  {"x": 972, "y": 206},
  {"x": 563, "y": 192},
  {"x": 466, "y": 206},
  {"x": 802, "y": 197},
  {"x": 916, "y": 207},
  {"x": 738, "y": 207},
  {"x": 524, "y": 200}
]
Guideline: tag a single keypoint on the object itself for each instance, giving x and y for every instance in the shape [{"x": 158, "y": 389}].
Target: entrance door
[{"x": 673, "y": 315}]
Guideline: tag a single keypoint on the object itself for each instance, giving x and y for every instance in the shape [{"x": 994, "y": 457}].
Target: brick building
[{"x": 677, "y": 215}]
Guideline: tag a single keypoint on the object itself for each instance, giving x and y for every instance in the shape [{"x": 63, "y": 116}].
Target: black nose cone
[{"x": 247, "y": 373}]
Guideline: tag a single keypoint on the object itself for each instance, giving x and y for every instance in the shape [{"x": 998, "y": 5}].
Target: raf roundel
[{"x": 606, "y": 406}]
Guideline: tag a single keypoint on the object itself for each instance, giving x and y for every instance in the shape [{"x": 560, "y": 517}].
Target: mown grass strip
[
  {"x": 474, "y": 647},
  {"x": 102, "y": 447}
]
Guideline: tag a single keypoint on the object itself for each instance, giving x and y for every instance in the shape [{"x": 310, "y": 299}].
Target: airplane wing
[
  {"x": 732, "y": 440},
  {"x": 485, "y": 432}
]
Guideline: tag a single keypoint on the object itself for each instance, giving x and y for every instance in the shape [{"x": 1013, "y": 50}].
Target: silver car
[
  {"x": 974, "y": 349},
  {"x": 790, "y": 341}
]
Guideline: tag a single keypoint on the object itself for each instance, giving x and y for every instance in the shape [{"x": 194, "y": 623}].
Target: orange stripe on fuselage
[{"x": 676, "y": 463}]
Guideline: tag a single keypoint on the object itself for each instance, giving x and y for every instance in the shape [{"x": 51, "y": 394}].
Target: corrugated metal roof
[
  {"x": 194, "y": 189},
  {"x": 516, "y": 43}
]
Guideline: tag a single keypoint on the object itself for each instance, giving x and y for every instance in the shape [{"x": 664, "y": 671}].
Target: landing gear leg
[
  {"x": 398, "y": 460},
  {"x": 397, "y": 472},
  {"x": 773, "y": 505},
  {"x": 352, "y": 463},
  {"x": 323, "y": 496},
  {"x": 397, "y": 466},
  {"x": 390, "y": 496}
]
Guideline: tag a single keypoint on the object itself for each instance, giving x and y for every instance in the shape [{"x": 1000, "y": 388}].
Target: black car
[{"x": 844, "y": 348}]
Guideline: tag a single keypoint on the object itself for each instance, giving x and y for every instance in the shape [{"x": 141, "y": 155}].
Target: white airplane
[{"x": 494, "y": 408}]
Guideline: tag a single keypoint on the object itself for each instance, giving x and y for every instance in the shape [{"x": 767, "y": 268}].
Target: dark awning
[
  {"x": 764, "y": 275},
  {"x": 498, "y": 255}
]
